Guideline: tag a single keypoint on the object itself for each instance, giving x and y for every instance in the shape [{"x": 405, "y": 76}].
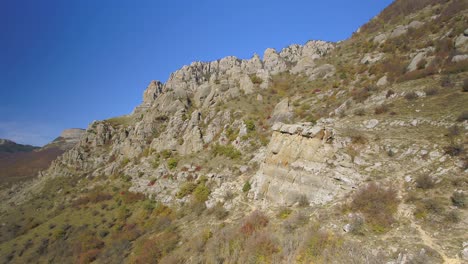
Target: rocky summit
[{"x": 348, "y": 152}]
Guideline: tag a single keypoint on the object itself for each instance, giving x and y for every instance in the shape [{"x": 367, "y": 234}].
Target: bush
[
  {"x": 358, "y": 139},
  {"x": 424, "y": 182},
  {"x": 247, "y": 186},
  {"x": 201, "y": 193},
  {"x": 431, "y": 91},
  {"x": 166, "y": 153},
  {"x": 389, "y": 93},
  {"x": 377, "y": 204},
  {"x": 453, "y": 217},
  {"x": 255, "y": 79},
  {"x": 259, "y": 248},
  {"x": 316, "y": 243},
  {"x": 250, "y": 125},
  {"x": 360, "y": 112},
  {"x": 172, "y": 163},
  {"x": 454, "y": 149},
  {"x": 255, "y": 221},
  {"x": 155, "y": 163},
  {"x": 219, "y": 211},
  {"x": 381, "y": 109},
  {"x": 186, "y": 189},
  {"x": 410, "y": 96},
  {"x": 227, "y": 151},
  {"x": 433, "y": 205},
  {"x": 284, "y": 213},
  {"x": 458, "y": 199}
]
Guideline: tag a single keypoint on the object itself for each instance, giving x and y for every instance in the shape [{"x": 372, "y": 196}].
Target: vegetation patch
[
  {"x": 227, "y": 151},
  {"x": 378, "y": 205}
]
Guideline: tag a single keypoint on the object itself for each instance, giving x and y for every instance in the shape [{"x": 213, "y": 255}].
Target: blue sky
[{"x": 64, "y": 64}]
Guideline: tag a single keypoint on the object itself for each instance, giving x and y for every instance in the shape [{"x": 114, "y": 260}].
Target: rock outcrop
[{"x": 304, "y": 160}]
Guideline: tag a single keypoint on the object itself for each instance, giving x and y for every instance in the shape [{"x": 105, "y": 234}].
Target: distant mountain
[
  {"x": 20, "y": 162},
  {"x": 8, "y": 146}
]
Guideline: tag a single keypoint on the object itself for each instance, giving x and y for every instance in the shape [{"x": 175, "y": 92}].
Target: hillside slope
[{"x": 349, "y": 152}]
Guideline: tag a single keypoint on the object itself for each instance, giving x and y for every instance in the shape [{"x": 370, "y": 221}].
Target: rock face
[
  {"x": 164, "y": 121},
  {"x": 303, "y": 160}
]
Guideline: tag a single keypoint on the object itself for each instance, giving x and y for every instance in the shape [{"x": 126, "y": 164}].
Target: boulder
[
  {"x": 398, "y": 31},
  {"x": 283, "y": 112},
  {"x": 382, "y": 81},
  {"x": 380, "y": 38},
  {"x": 370, "y": 58},
  {"x": 416, "y": 60},
  {"x": 415, "y": 24},
  {"x": 459, "y": 58},
  {"x": 371, "y": 123}
]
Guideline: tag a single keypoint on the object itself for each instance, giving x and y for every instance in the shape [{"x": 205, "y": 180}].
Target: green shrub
[
  {"x": 166, "y": 153},
  {"x": 247, "y": 186},
  {"x": 201, "y": 193},
  {"x": 124, "y": 162},
  {"x": 250, "y": 125},
  {"x": 227, "y": 151},
  {"x": 284, "y": 213},
  {"x": 155, "y": 163},
  {"x": 172, "y": 163},
  {"x": 255, "y": 79},
  {"x": 186, "y": 189}
]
